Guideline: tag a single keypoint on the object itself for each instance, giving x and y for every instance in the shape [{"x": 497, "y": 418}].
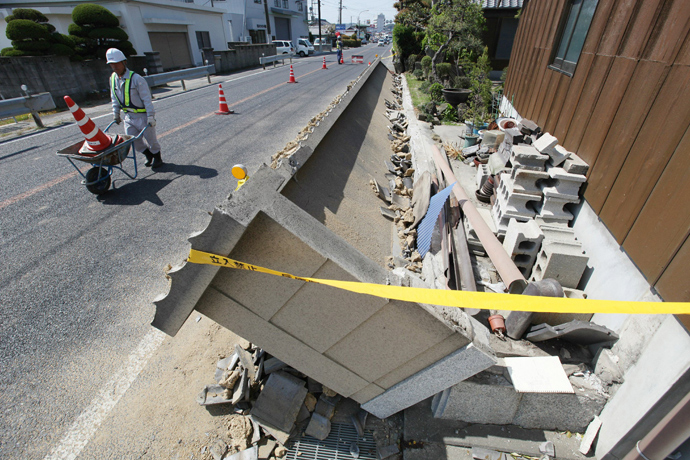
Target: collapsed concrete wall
[{"x": 314, "y": 215}]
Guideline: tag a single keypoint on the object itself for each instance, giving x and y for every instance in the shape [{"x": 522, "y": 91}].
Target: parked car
[
  {"x": 321, "y": 41},
  {"x": 284, "y": 47},
  {"x": 304, "y": 47}
]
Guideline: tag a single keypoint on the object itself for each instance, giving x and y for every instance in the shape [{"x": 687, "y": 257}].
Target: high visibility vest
[{"x": 126, "y": 105}]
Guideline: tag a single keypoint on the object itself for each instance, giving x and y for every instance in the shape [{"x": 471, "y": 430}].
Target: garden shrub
[
  {"x": 31, "y": 35},
  {"x": 436, "y": 92},
  {"x": 426, "y": 64},
  {"x": 409, "y": 63},
  {"x": 418, "y": 74},
  {"x": 424, "y": 87},
  {"x": 96, "y": 29}
]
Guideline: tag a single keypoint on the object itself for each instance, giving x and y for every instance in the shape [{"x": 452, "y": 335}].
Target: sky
[{"x": 352, "y": 8}]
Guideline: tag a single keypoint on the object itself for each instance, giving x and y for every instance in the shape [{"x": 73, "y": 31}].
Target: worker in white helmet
[{"x": 130, "y": 93}]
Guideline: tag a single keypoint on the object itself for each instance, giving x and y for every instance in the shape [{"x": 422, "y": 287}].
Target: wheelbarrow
[{"x": 97, "y": 179}]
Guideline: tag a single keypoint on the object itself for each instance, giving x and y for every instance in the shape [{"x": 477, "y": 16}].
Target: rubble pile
[
  {"x": 272, "y": 405},
  {"x": 399, "y": 193}
]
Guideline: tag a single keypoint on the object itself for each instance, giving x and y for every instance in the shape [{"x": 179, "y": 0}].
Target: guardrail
[
  {"x": 27, "y": 104},
  {"x": 263, "y": 60},
  {"x": 181, "y": 75}
]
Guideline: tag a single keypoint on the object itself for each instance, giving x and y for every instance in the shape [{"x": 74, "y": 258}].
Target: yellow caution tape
[{"x": 464, "y": 299}]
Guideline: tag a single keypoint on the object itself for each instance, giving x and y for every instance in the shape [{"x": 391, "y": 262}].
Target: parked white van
[{"x": 304, "y": 47}]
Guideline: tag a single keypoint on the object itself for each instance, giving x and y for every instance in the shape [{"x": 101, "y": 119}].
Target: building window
[
  {"x": 203, "y": 39},
  {"x": 286, "y": 4},
  {"x": 573, "y": 31},
  {"x": 258, "y": 1},
  {"x": 299, "y": 6}
]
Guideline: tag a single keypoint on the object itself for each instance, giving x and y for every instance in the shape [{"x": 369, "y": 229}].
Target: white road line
[{"x": 86, "y": 425}]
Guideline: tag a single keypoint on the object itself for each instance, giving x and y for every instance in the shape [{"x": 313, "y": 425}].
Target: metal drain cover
[{"x": 335, "y": 447}]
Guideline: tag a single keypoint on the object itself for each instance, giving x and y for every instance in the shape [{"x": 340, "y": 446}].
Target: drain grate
[{"x": 335, "y": 447}]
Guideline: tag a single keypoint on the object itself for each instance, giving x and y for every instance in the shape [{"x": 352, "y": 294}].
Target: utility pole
[
  {"x": 340, "y": 13},
  {"x": 320, "y": 39}
]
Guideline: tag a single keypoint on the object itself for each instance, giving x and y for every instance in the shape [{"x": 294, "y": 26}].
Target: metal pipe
[
  {"x": 667, "y": 436},
  {"x": 511, "y": 276}
]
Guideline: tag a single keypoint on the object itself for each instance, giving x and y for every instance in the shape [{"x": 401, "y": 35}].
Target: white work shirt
[{"x": 139, "y": 94}]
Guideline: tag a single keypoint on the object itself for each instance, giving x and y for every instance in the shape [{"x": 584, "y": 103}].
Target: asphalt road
[{"x": 79, "y": 272}]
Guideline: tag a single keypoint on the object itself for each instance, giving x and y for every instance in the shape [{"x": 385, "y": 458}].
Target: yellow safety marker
[
  {"x": 465, "y": 299},
  {"x": 240, "y": 173}
]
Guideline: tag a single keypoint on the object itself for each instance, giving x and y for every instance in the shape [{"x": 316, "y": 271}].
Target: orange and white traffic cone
[
  {"x": 369, "y": 62},
  {"x": 96, "y": 140},
  {"x": 342, "y": 61},
  {"x": 292, "y": 76},
  {"x": 324, "y": 63},
  {"x": 223, "y": 108}
]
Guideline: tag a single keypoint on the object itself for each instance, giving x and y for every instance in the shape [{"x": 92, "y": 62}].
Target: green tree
[
  {"x": 454, "y": 24},
  {"x": 32, "y": 35},
  {"x": 413, "y": 13},
  {"x": 480, "y": 84},
  {"x": 95, "y": 29}
]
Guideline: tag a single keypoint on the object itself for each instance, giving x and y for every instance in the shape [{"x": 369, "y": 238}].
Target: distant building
[
  {"x": 380, "y": 23},
  {"x": 179, "y": 29}
]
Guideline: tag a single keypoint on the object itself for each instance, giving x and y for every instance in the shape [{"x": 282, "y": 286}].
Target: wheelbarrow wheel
[{"x": 99, "y": 187}]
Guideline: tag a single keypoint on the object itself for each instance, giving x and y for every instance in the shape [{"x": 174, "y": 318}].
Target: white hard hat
[{"x": 114, "y": 55}]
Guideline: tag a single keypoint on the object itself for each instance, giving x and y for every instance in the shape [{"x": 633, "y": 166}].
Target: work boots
[
  {"x": 156, "y": 160},
  {"x": 149, "y": 157}
]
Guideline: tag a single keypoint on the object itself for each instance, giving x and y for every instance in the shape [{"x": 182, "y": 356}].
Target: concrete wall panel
[{"x": 389, "y": 339}]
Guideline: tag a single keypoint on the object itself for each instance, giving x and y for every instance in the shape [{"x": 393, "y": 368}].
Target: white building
[
  {"x": 178, "y": 30},
  {"x": 380, "y": 21}
]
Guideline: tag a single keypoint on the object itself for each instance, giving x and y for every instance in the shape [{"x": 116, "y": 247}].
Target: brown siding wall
[{"x": 625, "y": 111}]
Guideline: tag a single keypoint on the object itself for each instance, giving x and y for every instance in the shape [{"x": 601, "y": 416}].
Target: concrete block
[
  {"x": 563, "y": 183},
  {"x": 388, "y": 340},
  {"x": 558, "y": 233},
  {"x": 523, "y": 242},
  {"x": 559, "y": 411},
  {"x": 482, "y": 175},
  {"x": 279, "y": 402},
  {"x": 546, "y": 144},
  {"x": 499, "y": 159},
  {"x": 528, "y": 127},
  {"x": 553, "y": 207},
  {"x": 526, "y": 156},
  {"x": 513, "y": 136},
  {"x": 472, "y": 239},
  {"x": 319, "y": 427},
  {"x": 559, "y": 155},
  {"x": 446, "y": 372},
  {"x": 528, "y": 180},
  {"x": 563, "y": 262},
  {"x": 575, "y": 165},
  {"x": 225, "y": 311},
  {"x": 307, "y": 316},
  {"x": 484, "y": 398}
]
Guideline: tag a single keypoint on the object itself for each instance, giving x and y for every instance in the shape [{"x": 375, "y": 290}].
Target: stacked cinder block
[
  {"x": 562, "y": 188},
  {"x": 528, "y": 157},
  {"x": 518, "y": 196},
  {"x": 561, "y": 257},
  {"x": 523, "y": 242}
]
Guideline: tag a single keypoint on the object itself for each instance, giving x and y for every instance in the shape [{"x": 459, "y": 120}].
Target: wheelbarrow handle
[
  {"x": 142, "y": 132},
  {"x": 108, "y": 127}
]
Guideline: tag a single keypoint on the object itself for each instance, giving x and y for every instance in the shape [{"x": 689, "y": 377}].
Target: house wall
[{"x": 625, "y": 112}]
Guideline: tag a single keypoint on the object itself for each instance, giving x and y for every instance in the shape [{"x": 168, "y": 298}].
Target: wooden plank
[
  {"x": 656, "y": 142},
  {"x": 523, "y": 48},
  {"x": 616, "y": 26},
  {"x": 557, "y": 105},
  {"x": 554, "y": 79},
  {"x": 674, "y": 22},
  {"x": 673, "y": 285},
  {"x": 573, "y": 97},
  {"x": 543, "y": 90},
  {"x": 664, "y": 222},
  {"x": 638, "y": 99},
  {"x": 606, "y": 108},
  {"x": 683, "y": 57},
  {"x": 590, "y": 95},
  {"x": 539, "y": 60},
  {"x": 640, "y": 28}
]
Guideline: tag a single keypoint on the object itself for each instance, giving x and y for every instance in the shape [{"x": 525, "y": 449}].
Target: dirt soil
[{"x": 158, "y": 417}]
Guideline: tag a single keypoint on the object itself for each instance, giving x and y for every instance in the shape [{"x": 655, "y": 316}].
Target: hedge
[
  {"x": 92, "y": 14},
  {"x": 31, "y": 46},
  {"x": 27, "y": 13},
  {"x": 109, "y": 32},
  {"x": 21, "y": 29}
]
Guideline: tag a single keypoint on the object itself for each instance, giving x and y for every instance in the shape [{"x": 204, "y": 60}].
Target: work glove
[
  {"x": 117, "y": 119},
  {"x": 152, "y": 122}
]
